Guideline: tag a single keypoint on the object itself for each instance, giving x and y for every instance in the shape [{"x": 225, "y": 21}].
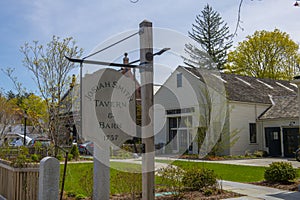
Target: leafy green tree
[
  {"x": 51, "y": 71},
  {"x": 36, "y": 109},
  {"x": 213, "y": 35},
  {"x": 9, "y": 114},
  {"x": 266, "y": 54},
  {"x": 34, "y": 106}
]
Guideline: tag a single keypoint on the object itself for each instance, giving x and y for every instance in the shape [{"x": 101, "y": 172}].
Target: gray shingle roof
[
  {"x": 250, "y": 89},
  {"x": 283, "y": 107}
]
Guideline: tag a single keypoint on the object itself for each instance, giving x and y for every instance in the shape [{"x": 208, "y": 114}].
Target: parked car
[
  {"x": 17, "y": 142},
  {"x": 16, "y": 139},
  {"x": 86, "y": 148},
  {"x": 45, "y": 142},
  {"x": 90, "y": 148}
]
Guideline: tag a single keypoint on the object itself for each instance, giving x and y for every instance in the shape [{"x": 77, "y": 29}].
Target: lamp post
[{"x": 25, "y": 121}]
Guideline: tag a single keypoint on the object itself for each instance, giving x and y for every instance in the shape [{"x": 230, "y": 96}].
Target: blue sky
[{"x": 91, "y": 22}]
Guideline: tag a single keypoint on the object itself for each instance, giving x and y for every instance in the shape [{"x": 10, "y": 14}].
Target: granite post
[{"x": 48, "y": 179}]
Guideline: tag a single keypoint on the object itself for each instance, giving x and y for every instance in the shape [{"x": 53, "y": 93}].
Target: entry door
[
  {"x": 290, "y": 141},
  {"x": 273, "y": 140}
]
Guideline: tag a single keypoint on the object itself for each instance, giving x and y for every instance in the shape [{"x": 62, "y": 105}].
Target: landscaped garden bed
[
  {"x": 281, "y": 175},
  {"x": 290, "y": 186},
  {"x": 256, "y": 154}
]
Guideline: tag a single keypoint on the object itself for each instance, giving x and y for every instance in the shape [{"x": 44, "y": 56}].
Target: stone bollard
[{"x": 49, "y": 179}]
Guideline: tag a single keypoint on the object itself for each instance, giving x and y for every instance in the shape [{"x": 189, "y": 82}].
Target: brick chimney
[{"x": 125, "y": 61}]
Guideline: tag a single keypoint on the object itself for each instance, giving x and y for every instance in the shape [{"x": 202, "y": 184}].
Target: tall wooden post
[{"x": 146, "y": 59}]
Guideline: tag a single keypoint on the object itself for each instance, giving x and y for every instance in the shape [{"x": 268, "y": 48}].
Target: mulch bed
[
  {"x": 291, "y": 186},
  {"x": 198, "y": 195},
  {"x": 187, "y": 195}
]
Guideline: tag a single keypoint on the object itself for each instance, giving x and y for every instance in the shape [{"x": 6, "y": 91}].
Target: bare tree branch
[
  {"x": 9, "y": 72},
  {"x": 239, "y": 21}
]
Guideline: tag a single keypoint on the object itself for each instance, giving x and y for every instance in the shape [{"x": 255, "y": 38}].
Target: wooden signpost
[
  {"x": 108, "y": 120},
  {"x": 108, "y": 114}
]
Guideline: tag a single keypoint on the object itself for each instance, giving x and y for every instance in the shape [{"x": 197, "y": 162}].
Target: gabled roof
[
  {"x": 283, "y": 107},
  {"x": 250, "y": 89}
]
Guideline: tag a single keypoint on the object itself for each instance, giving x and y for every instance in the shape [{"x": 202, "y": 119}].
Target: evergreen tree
[{"x": 213, "y": 35}]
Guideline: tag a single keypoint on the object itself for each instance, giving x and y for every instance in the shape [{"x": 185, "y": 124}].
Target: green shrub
[
  {"x": 171, "y": 179},
  {"x": 80, "y": 196},
  {"x": 75, "y": 152},
  {"x": 35, "y": 158},
  {"x": 260, "y": 153},
  {"x": 70, "y": 157},
  {"x": 248, "y": 153},
  {"x": 198, "y": 179},
  {"x": 38, "y": 145},
  {"x": 20, "y": 161},
  {"x": 208, "y": 192},
  {"x": 280, "y": 172},
  {"x": 22, "y": 158},
  {"x": 59, "y": 157}
]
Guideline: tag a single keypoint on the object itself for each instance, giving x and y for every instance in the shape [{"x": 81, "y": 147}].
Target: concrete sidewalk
[
  {"x": 157, "y": 165},
  {"x": 258, "y": 192}
]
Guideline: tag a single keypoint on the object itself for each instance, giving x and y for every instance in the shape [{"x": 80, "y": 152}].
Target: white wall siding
[
  {"x": 241, "y": 115},
  {"x": 169, "y": 97}
]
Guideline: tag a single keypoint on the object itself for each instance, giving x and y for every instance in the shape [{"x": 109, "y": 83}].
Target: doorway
[
  {"x": 273, "y": 141},
  {"x": 290, "y": 141}
]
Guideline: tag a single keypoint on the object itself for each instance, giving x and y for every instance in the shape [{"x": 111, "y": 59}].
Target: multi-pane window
[
  {"x": 180, "y": 111},
  {"x": 253, "y": 136},
  {"x": 179, "y": 134}
]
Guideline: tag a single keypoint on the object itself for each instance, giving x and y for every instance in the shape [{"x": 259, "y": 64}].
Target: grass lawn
[
  {"x": 79, "y": 177},
  {"x": 237, "y": 173}
]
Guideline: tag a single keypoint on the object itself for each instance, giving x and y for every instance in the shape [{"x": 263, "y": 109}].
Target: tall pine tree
[{"x": 212, "y": 34}]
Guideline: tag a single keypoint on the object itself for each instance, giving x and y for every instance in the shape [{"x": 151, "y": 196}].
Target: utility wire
[{"x": 126, "y": 38}]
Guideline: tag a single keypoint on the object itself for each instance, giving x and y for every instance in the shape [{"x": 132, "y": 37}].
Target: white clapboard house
[{"x": 243, "y": 114}]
